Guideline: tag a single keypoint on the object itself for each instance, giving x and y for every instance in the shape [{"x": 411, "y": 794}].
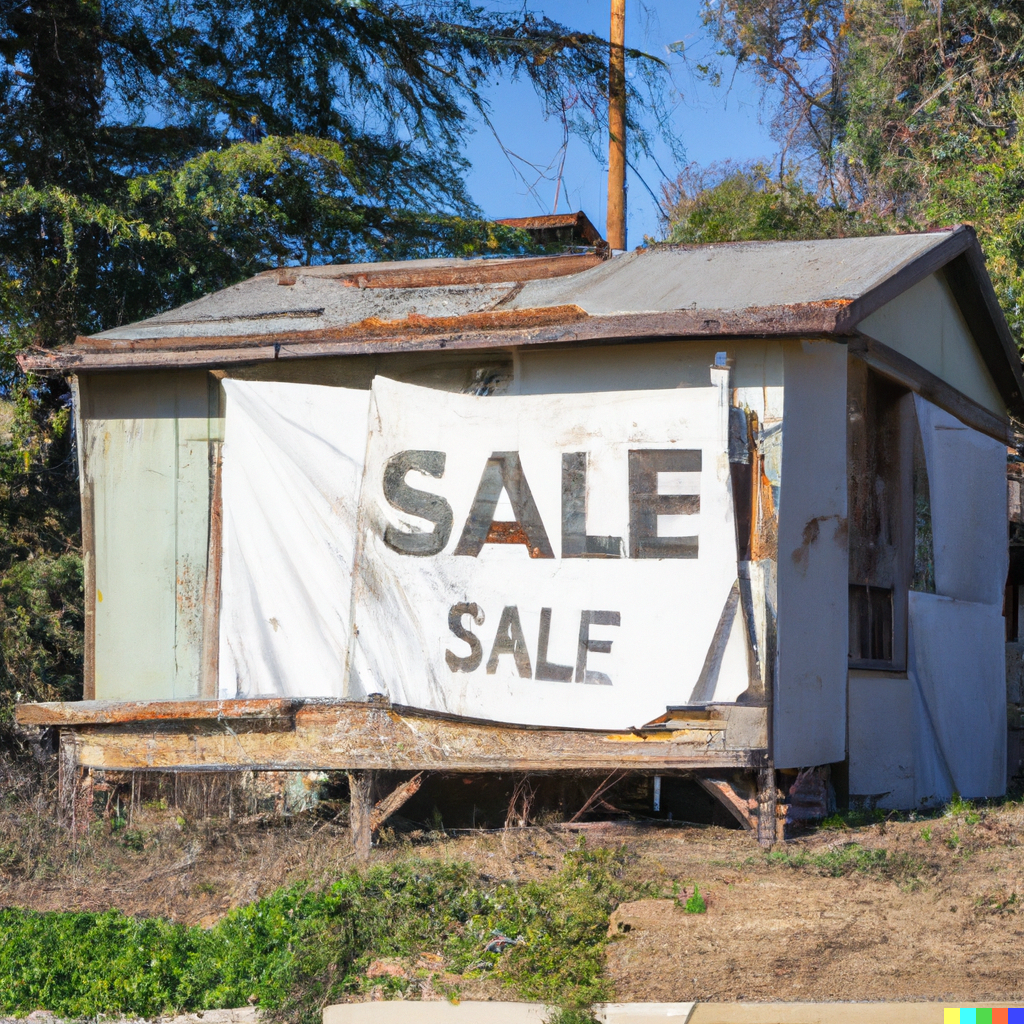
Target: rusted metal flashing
[
  {"x": 527, "y": 268},
  {"x": 413, "y": 325},
  {"x": 560, "y": 325}
]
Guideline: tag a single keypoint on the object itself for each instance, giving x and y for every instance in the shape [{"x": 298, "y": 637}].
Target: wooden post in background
[
  {"x": 616, "y": 225},
  {"x": 360, "y": 811}
]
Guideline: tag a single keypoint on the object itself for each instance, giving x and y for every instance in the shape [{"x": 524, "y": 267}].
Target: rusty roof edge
[{"x": 825, "y": 318}]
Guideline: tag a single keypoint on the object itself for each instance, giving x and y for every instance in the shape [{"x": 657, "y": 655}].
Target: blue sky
[{"x": 714, "y": 124}]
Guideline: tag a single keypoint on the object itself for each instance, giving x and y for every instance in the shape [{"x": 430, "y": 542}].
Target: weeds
[
  {"x": 695, "y": 904},
  {"x": 958, "y": 807},
  {"x": 850, "y": 858},
  {"x": 297, "y": 949}
]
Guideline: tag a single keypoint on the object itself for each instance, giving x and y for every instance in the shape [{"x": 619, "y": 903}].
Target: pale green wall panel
[{"x": 146, "y": 456}]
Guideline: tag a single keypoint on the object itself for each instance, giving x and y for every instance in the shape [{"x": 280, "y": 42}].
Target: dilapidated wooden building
[{"x": 729, "y": 510}]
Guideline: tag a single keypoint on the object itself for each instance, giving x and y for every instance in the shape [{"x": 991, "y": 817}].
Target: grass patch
[
  {"x": 297, "y": 949},
  {"x": 850, "y": 858}
]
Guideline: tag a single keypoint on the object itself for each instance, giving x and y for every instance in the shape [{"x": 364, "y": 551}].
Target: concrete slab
[
  {"x": 399, "y": 1012},
  {"x": 415, "y": 1012},
  {"x": 823, "y": 1013}
]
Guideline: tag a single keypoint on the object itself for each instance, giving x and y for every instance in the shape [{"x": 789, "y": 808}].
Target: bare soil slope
[{"x": 889, "y": 911}]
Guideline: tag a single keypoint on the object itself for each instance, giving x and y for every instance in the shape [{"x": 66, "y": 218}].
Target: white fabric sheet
[
  {"x": 956, "y": 642},
  {"x": 958, "y": 665},
  {"x": 668, "y": 608},
  {"x": 292, "y": 464},
  {"x": 967, "y": 483}
]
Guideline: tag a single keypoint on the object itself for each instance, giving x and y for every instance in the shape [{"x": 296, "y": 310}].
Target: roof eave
[
  {"x": 802, "y": 320},
  {"x": 960, "y": 258}
]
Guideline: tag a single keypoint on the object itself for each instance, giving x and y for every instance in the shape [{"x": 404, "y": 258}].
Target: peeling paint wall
[
  {"x": 145, "y": 450},
  {"x": 810, "y": 695}
]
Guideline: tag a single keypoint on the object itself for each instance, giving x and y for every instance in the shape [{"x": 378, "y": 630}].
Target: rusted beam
[{"x": 295, "y": 735}]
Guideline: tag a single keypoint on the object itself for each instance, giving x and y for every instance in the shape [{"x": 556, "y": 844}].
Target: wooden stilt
[
  {"x": 361, "y": 786},
  {"x": 766, "y": 807}
]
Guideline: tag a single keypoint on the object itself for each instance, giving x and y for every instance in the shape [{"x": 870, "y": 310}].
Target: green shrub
[{"x": 297, "y": 949}]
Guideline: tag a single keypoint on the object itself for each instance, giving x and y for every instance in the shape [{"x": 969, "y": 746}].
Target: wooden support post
[
  {"x": 616, "y": 220},
  {"x": 208, "y": 684},
  {"x": 766, "y": 827},
  {"x": 89, "y": 590},
  {"x": 360, "y": 787}
]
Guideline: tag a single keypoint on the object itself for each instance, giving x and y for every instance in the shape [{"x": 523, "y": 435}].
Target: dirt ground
[{"x": 823, "y": 917}]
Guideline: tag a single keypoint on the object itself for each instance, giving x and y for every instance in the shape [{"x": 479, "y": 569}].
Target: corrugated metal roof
[
  {"x": 732, "y": 277},
  {"x": 743, "y": 289}
]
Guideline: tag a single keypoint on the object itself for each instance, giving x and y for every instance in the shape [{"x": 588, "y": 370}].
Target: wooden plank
[
  {"x": 89, "y": 590},
  {"x": 360, "y": 807},
  {"x": 530, "y": 268},
  {"x": 735, "y": 802},
  {"x": 898, "y": 368},
  {"x": 337, "y": 735},
  {"x": 109, "y": 712},
  {"x": 383, "y": 809},
  {"x": 767, "y": 826},
  {"x": 208, "y": 685}
]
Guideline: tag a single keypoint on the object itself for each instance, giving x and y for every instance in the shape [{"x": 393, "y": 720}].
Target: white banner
[
  {"x": 293, "y": 461},
  {"x": 564, "y": 560},
  {"x": 580, "y": 553}
]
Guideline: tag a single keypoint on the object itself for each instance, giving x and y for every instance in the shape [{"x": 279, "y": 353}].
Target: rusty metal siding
[
  {"x": 926, "y": 325},
  {"x": 145, "y": 448}
]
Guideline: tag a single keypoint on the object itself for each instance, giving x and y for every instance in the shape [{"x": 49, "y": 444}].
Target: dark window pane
[{"x": 870, "y": 623}]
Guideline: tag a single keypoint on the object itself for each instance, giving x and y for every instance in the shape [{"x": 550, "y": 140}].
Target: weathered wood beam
[
  {"x": 296, "y": 735},
  {"x": 803, "y": 320},
  {"x": 898, "y": 368},
  {"x": 383, "y": 809},
  {"x": 737, "y": 803}
]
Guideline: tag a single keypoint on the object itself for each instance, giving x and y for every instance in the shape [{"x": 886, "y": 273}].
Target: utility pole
[{"x": 616, "y": 227}]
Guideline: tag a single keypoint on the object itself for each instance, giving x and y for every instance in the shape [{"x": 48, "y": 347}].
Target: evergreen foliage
[{"x": 153, "y": 152}]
